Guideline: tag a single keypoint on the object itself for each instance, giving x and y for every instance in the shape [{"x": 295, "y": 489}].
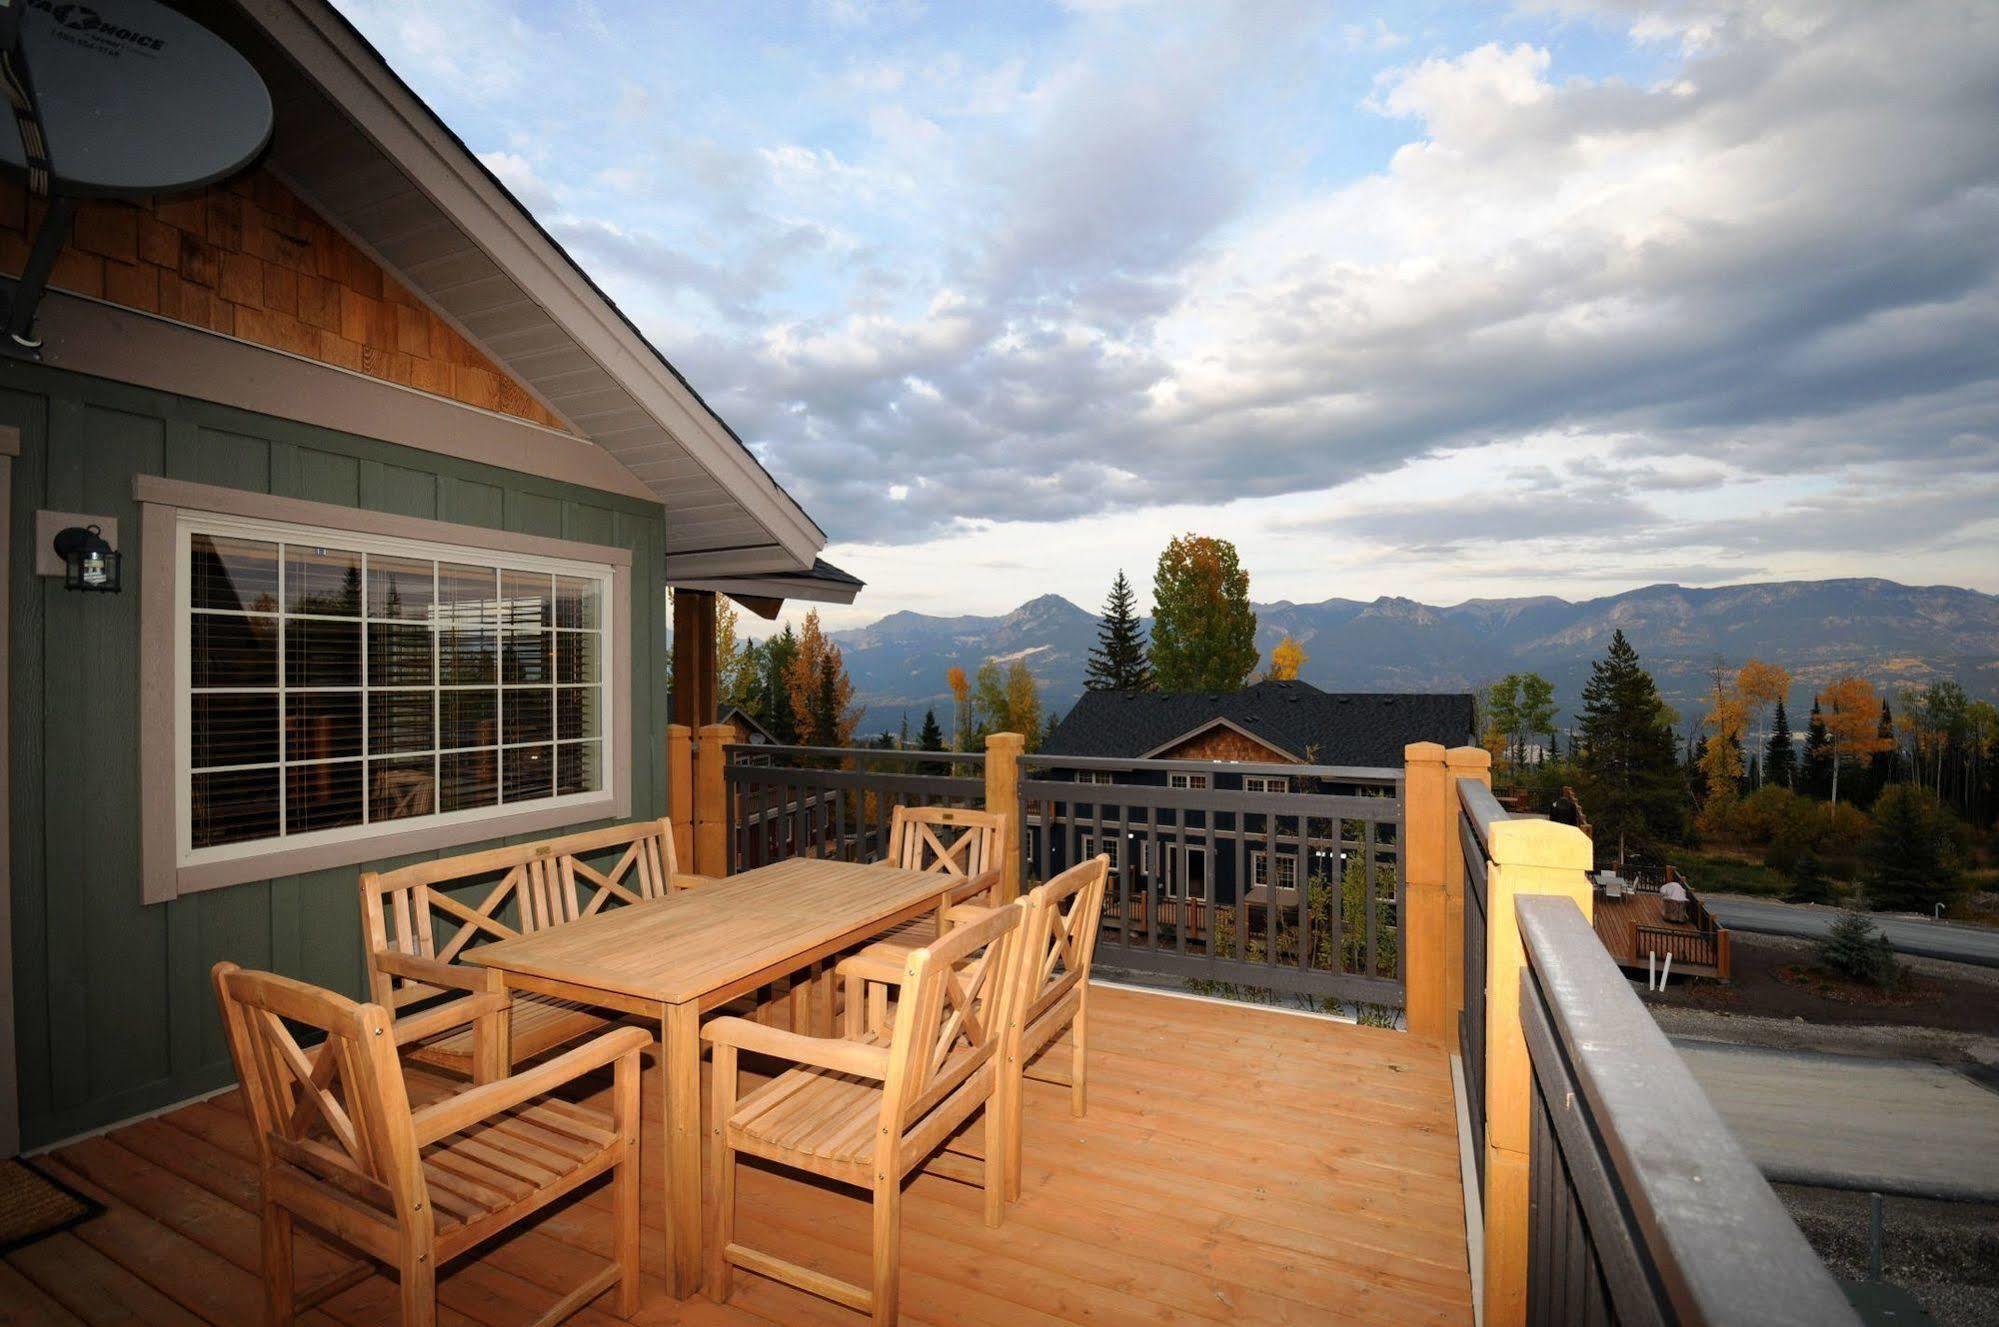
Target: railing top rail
[
  {"x": 855, "y": 752},
  {"x": 1725, "y": 1248},
  {"x": 1336, "y": 773},
  {"x": 1141, "y": 796},
  {"x": 1481, "y": 808}
]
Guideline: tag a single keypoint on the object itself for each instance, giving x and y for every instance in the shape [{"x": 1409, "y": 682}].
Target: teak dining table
[{"x": 673, "y": 959}]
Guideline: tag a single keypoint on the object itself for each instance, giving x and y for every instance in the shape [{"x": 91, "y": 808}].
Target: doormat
[{"x": 34, "y": 1206}]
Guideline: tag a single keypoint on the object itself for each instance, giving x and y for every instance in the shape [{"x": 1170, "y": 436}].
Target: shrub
[
  {"x": 1855, "y": 949},
  {"x": 1809, "y": 882}
]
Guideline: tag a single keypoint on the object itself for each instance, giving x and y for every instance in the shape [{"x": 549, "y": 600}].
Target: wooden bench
[{"x": 417, "y": 921}]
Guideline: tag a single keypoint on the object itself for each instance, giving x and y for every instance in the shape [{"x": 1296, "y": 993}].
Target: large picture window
[{"x": 334, "y": 684}]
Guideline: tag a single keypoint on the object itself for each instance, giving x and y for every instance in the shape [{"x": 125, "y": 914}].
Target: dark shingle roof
[{"x": 1319, "y": 727}]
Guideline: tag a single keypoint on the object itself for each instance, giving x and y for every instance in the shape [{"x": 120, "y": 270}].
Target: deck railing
[
  {"x": 1293, "y": 892},
  {"x": 1611, "y": 1191},
  {"x": 835, "y": 802}
]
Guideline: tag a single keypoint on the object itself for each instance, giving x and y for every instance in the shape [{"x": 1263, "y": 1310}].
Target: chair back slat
[
  {"x": 339, "y": 1111},
  {"x": 1062, "y": 934},
  {"x": 539, "y": 885},
  {"x": 946, "y": 839},
  {"x": 952, "y": 1013}
]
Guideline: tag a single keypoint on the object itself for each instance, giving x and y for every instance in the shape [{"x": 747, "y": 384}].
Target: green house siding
[{"x": 114, "y": 1013}]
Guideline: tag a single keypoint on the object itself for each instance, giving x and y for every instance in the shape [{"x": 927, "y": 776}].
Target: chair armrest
[
  {"x": 680, "y": 880},
  {"x": 430, "y": 1022},
  {"x": 964, "y": 914},
  {"x": 869, "y": 965},
  {"x": 431, "y": 972},
  {"x": 985, "y": 882},
  {"x": 443, "y": 1118},
  {"x": 837, "y": 1054}
]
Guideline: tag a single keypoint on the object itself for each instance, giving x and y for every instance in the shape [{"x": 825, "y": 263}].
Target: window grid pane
[{"x": 335, "y": 687}]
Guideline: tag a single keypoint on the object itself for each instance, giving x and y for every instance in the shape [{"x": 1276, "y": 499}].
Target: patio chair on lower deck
[
  {"x": 340, "y": 1147},
  {"x": 867, "y": 1112}
]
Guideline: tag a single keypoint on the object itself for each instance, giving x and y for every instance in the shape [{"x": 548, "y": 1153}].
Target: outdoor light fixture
[{"x": 88, "y": 562}]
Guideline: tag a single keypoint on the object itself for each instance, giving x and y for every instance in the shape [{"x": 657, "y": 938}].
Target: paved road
[
  {"x": 1899, "y": 1126},
  {"x": 1909, "y": 935}
]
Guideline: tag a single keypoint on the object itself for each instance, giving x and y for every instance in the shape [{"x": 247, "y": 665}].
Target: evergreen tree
[
  {"x": 1809, "y": 883},
  {"x": 1815, "y": 774},
  {"x": 1117, "y": 661},
  {"x": 1855, "y": 949},
  {"x": 1885, "y": 765},
  {"x": 1203, "y": 629},
  {"x": 1780, "y": 758},
  {"x": 931, "y": 736},
  {"x": 1633, "y": 785},
  {"x": 1909, "y": 861}
]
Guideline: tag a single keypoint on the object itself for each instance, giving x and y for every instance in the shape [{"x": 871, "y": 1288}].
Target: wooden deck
[
  {"x": 1618, "y": 922},
  {"x": 1238, "y": 1165}
]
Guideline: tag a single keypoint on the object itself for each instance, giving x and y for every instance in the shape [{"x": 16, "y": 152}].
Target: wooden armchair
[
  {"x": 1056, "y": 953},
  {"x": 340, "y": 1148},
  {"x": 950, "y": 841},
  {"x": 868, "y": 1112}
]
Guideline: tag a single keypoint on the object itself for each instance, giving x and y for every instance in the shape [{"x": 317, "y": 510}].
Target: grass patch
[{"x": 1728, "y": 873}]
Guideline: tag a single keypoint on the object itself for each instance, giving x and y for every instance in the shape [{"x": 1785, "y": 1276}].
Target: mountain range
[{"x": 1897, "y": 635}]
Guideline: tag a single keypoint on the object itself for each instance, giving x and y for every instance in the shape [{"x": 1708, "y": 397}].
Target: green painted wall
[{"x": 114, "y": 1014}]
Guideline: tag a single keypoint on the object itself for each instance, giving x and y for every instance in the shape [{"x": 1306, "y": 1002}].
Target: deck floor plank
[{"x": 1238, "y": 1165}]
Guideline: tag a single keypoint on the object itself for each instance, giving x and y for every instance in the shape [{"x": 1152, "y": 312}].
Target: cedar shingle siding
[{"x": 250, "y": 260}]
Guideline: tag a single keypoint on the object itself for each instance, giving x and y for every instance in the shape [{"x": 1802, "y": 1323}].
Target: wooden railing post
[
  {"x": 1428, "y": 803},
  {"x": 1528, "y": 857},
  {"x": 711, "y": 800},
  {"x": 1003, "y": 795},
  {"x": 680, "y": 791},
  {"x": 1460, "y": 762}
]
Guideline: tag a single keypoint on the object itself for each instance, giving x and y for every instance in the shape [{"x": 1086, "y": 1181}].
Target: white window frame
[
  {"x": 1099, "y": 777},
  {"x": 190, "y": 523},
  {"x": 1187, "y": 779},
  {"x": 1259, "y": 869},
  {"x": 1266, "y": 783},
  {"x": 1170, "y": 875},
  {"x": 1089, "y": 845}
]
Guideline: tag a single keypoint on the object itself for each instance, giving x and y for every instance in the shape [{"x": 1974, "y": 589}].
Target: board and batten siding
[{"x": 114, "y": 1012}]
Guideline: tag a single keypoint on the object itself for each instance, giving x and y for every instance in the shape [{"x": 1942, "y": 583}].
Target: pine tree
[
  {"x": 1815, "y": 774},
  {"x": 1885, "y": 765},
  {"x": 1909, "y": 860},
  {"x": 1633, "y": 785},
  {"x": 1117, "y": 661},
  {"x": 931, "y": 736},
  {"x": 1809, "y": 883},
  {"x": 1780, "y": 758},
  {"x": 1855, "y": 949}
]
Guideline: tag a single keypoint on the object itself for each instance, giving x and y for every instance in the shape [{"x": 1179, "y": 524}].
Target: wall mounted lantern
[{"x": 88, "y": 562}]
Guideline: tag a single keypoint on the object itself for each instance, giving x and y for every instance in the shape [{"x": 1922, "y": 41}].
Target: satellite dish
[{"x": 118, "y": 99}]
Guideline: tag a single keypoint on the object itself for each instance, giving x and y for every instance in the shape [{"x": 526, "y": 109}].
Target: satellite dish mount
[{"x": 115, "y": 99}]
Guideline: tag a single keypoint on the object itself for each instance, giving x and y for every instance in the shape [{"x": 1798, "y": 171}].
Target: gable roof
[
  {"x": 1318, "y": 727},
  {"x": 375, "y": 162}
]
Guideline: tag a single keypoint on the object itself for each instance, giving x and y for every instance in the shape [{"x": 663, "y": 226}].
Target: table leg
[{"x": 680, "y": 1065}]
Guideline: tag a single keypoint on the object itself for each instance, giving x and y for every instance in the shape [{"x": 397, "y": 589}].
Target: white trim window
[
  {"x": 1089, "y": 845},
  {"x": 1184, "y": 866},
  {"x": 1287, "y": 870},
  {"x": 330, "y": 683},
  {"x": 1098, "y": 776},
  {"x": 1266, "y": 783},
  {"x": 1184, "y": 779}
]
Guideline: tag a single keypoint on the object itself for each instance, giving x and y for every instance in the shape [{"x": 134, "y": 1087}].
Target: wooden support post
[
  {"x": 1427, "y": 803},
  {"x": 1528, "y": 857},
  {"x": 694, "y": 680},
  {"x": 1462, "y": 762},
  {"x": 711, "y": 800},
  {"x": 1003, "y": 796},
  {"x": 680, "y": 791}
]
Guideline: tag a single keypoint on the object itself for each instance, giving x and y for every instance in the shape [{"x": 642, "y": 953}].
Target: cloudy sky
[{"x": 1423, "y": 299}]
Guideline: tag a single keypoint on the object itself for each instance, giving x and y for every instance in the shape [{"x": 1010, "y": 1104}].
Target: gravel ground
[{"x": 1945, "y": 1254}]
